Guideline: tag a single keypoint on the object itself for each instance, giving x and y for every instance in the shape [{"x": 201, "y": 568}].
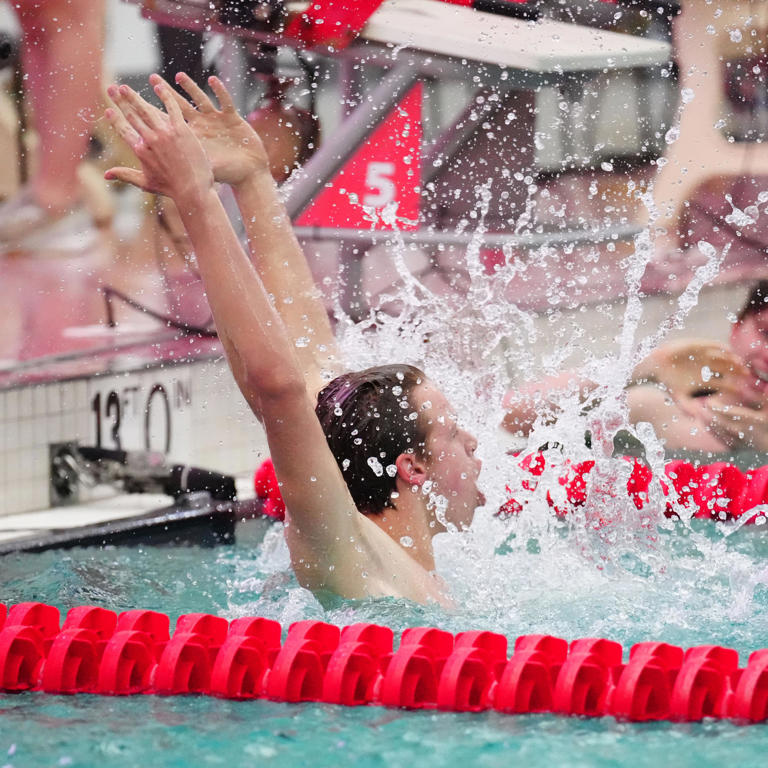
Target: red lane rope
[
  {"x": 718, "y": 491},
  {"x": 96, "y": 651}
]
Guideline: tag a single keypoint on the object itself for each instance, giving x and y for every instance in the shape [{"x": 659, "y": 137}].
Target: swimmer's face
[
  {"x": 749, "y": 340},
  {"x": 452, "y": 466}
]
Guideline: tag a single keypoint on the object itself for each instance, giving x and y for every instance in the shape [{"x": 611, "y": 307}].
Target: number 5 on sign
[
  {"x": 379, "y": 178},
  {"x": 385, "y": 168}
]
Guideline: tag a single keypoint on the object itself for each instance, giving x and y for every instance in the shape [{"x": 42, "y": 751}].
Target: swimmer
[
  {"x": 698, "y": 394},
  {"x": 376, "y": 465}
]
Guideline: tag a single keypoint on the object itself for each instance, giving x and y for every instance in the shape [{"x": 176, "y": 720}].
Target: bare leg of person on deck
[{"x": 62, "y": 47}]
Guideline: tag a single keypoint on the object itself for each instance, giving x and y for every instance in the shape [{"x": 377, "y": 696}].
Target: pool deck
[{"x": 130, "y": 519}]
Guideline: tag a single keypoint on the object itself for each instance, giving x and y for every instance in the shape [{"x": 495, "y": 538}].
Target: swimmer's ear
[{"x": 410, "y": 469}]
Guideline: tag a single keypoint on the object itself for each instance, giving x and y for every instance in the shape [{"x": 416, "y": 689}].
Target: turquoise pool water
[{"x": 685, "y": 586}]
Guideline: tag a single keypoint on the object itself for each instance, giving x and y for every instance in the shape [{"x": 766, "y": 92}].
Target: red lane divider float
[
  {"x": 719, "y": 491},
  {"x": 96, "y": 651}
]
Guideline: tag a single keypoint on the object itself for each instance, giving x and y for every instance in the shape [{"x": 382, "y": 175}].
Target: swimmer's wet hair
[
  {"x": 756, "y": 302},
  {"x": 369, "y": 419}
]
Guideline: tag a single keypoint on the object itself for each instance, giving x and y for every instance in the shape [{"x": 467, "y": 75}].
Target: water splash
[{"x": 608, "y": 563}]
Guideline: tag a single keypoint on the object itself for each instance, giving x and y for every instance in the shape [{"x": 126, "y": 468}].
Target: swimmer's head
[
  {"x": 749, "y": 337},
  {"x": 370, "y": 418},
  {"x": 388, "y": 425}
]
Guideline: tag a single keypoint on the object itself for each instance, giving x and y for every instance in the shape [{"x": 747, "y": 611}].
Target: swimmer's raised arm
[
  {"x": 321, "y": 512},
  {"x": 238, "y": 158}
]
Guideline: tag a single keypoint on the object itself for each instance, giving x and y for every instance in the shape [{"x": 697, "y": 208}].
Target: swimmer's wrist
[
  {"x": 257, "y": 177},
  {"x": 193, "y": 200},
  {"x": 259, "y": 202}
]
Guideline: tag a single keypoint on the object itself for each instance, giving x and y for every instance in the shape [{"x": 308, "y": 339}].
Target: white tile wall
[{"x": 211, "y": 426}]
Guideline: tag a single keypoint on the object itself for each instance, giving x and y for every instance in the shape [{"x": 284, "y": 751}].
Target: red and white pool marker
[
  {"x": 99, "y": 652},
  {"x": 719, "y": 491}
]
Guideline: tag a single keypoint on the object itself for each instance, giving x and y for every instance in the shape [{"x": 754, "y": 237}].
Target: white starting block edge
[
  {"x": 71, "y": 517},
  {"x": 457, "y": 32},
  {"x": 110, "y": 508},
  {"x": 544, "y": 46}
]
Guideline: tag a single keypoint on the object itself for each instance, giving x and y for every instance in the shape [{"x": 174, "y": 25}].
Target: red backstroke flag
[{"x": 385, "y": 169}]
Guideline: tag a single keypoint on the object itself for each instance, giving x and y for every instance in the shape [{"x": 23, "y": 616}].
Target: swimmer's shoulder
[
  {"x": 393, "y": 572},
  {"x": 370, "y": 565}
]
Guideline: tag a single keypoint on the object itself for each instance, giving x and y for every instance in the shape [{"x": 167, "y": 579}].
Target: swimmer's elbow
[
  {"x": 274, "y": 389},
  {"x": 260, "y": 377},
  {"x": 274, "y": 382}
]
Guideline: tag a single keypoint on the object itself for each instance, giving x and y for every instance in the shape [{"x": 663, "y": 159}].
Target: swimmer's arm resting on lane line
[
  {"x": 323, "y": 516},
  {"x": 675, "y": 367}
]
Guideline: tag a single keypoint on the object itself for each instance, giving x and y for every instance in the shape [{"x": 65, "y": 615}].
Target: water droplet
[
  {"x": 735, "y": 35},
  {"x": 672, "y": 135},
  {"x": 406, "y": 541}
]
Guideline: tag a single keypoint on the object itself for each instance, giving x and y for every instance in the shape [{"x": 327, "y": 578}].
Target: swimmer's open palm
[
  {"x": 233, "y": 147},
  {"x": 173, "y": 161}
]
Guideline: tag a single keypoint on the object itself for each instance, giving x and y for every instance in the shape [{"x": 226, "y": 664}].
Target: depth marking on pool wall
[{"x": 139, "y": 414}]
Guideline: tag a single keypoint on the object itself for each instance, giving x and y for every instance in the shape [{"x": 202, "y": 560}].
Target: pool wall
[{"x": 196, "y": 416}]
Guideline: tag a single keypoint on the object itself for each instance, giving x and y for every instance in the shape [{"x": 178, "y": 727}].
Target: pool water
[
  {"x": 199, "y": 731},
  {"x": 688, "y": 585}
]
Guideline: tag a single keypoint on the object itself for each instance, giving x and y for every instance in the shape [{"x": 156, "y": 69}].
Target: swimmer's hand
[
  {"x": 173, "y": 161},
  {"x": 737, "y": 426},
  {"x": 235, "y": 150},
  {"x": 692, "y": 366}
]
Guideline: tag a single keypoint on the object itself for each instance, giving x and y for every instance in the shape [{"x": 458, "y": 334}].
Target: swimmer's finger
[
  {"x": 122, "y": 127},
  {"x": 166, "y": 95},
  {"x": 186, "y": 108},
  {"x": 222, "y": 94},
  {"x": 196, "y": 93},
  {"x": 151, "y": 116},
  {"x": 126, "y": 109},
  {"x": 127, "y": 175},
  {"x": 141, "y": 129},
  {"x": 119, "y": 100}
]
